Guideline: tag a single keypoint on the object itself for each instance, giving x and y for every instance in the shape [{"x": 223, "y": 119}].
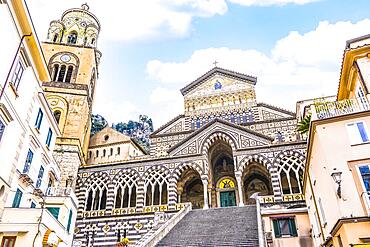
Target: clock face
[{"x": 65, "y": 58}]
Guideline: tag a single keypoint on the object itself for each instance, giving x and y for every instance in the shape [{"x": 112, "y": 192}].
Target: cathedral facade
[{"x": 225, "y": 147}]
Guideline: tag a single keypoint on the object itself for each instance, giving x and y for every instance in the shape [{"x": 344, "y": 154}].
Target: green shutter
[
  {"x": 17, "y": 199},
  {"x": 54, "y": 212},
  {"x": 292, "y": 227},
  {"x": 69, "y": 220},
  {"x": 276, "y": 228}
]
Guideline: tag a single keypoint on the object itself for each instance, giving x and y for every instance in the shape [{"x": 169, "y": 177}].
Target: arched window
[
  {"x": 111, "y": 151},
  {"x": 125, "y": 194},
  {"x": 97, "y": 154},
  {"x": 96, "y": 196},
  {"x": 156, "y": 191},
  {"x": 57, "y": 115},
  {"x": 55, "y": 72},
  {"x": 85, "y": 40},
  {"x": 72, "y": 38},
  {"x": 69, "y": 73},
  {"x": 61, "y": 73},
  {"x": 104, "y": 152},
  {"x": 90, "y": 154},
  {"x": 118, "y": 150},
  {"x": 198, "y": 123},
  {"x": 55, "y": 38},
  {"x": 291, "y": 174},
  {"x": 93, "y": 41}
]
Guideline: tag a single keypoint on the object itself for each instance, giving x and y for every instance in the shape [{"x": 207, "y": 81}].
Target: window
[
  {"x": 17, "y": 73},
  {"x": 33, "y": 205},
  {"x": 54, "y": 211},
  {"x": 357, "y": 133},
  {"x": 17, "y": 199},
  {"x": 104, "y": 152},
  {"x": 96, "y": 196},
  {"x": 72, "y": 38},
  {"x": 69, "y": 221},
  {"x": 39, "y": 177},
  {"x": 2, "y": 128},
  {"x": 57, "y": 115},
  {"x": 48, "y": 138},
  {"x": 55, "y": 38},
  {"x": 40, "y": 115},
  {"x": 97, "y": 154},
  {"x": 118, "y": 150},
  {"x": 28, "y": 162},
  {"x": 61, "y": 73},
  {"x": 55, "y": 72},
  {"x": 111, "y": 151},
  {"x": 93, "y": 41},
  {"x": 365, "y": 175},
  {"x": 284, "y": 227},
  {"x": 8, "y": 241},
  {"x": 323, "y": 217},
  {"x": 69, "y": 74}
]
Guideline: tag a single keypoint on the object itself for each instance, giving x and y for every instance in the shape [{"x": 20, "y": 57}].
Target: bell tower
[{"x": 73, "y": 61}]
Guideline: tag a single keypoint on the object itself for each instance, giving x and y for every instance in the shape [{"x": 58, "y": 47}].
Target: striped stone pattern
[
  {"x": 172, "y": 193},
  {"x": 107, "y": 236},
  {"x": 140, "y": 196}
]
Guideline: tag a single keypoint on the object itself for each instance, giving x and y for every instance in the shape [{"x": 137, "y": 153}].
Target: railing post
[{"x": 261, "y": 238}]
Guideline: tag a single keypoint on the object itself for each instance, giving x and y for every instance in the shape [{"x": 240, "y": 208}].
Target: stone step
[{"x": 233, "y": 226}]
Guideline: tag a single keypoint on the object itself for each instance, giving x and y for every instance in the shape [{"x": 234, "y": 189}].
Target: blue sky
[{"x": 152, "y": 48}]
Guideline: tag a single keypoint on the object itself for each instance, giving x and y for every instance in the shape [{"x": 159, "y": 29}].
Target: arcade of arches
[{"x": 225, "y": 186}]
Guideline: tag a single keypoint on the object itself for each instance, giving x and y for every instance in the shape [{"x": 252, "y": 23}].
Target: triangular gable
[
  {"x": 241, "y": 138},
  {"x": 177, "y": 124},
  {"x": 219, "y": 73},
  {"x": 267, "y": 112}
]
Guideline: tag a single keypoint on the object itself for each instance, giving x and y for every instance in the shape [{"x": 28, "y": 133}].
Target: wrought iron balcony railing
[
  {"x": 58, "y": 191},
  {"x": 340, "y": 108}
]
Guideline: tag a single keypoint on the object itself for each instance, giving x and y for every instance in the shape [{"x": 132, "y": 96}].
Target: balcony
[
  {"x": 57, "y": 194},
  {"x": 339, "y": 108}
]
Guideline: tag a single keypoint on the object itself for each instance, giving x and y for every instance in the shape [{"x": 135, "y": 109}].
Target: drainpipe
[{"x": 11, "y": 67}]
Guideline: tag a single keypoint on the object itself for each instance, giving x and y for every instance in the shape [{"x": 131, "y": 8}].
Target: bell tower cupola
[{"x": 76, "y": 27}]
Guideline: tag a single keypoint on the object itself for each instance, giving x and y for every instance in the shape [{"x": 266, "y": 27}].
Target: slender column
[
  {"x": 205, "y": 191},
  {"x": 238, "y": 176}
]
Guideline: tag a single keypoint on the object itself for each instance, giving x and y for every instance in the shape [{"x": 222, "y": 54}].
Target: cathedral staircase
[{"x": 232, "y": 226}]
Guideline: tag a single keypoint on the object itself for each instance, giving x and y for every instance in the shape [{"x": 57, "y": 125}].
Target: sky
[{"x": 153, "y": 48}]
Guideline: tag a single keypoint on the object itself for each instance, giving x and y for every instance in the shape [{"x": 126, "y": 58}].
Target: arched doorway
[
  {"x": 256, "y": 179},
  {"x": 224, "y": 190},
  {"x": 190, "y": 188}
]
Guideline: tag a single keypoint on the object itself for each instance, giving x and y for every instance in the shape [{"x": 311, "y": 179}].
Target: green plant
[{"x": 304, "y": 125}]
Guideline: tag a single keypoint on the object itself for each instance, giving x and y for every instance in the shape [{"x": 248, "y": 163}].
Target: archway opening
[
  {"x": 190, "y": 188},
  {"x": 224, "y": 189},
  {"x": 256, "y": 179}
]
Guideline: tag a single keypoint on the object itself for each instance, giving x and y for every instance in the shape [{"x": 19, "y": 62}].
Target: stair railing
[
  {"x": 151, "y": 238},
  {"x": 261, "y": 239}
]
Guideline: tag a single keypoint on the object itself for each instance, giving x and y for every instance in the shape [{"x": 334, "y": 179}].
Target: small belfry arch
[{"x": 59, "y": 107}]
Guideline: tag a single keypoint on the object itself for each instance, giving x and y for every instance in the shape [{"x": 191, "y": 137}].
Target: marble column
[
  {"x": 238, "y": 176},
  {"x": 205, "y": 192}
]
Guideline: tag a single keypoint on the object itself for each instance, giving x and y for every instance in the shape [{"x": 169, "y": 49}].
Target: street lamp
[{"x": 337, "y": 177}]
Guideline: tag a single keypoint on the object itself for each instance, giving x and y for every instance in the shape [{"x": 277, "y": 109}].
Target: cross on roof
[{"x": 215, "y": 63}]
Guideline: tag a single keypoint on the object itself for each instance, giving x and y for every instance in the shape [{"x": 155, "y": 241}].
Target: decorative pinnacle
[{"x": 85, "y": 7}]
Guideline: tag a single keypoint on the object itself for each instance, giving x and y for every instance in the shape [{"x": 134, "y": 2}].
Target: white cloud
[
  {"x": 300, "y": 66},
  {"x": 270, "y": 2},
  {"x": 141, "y": 19},
  {"x": 132, "y": 20}
]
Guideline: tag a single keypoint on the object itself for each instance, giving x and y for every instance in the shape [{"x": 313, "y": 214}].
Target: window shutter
[
  {"x": 276, "y": 228},
  {"x": 69, "y": 220},
  {"x": 54, "y": 212},
  {"x": 292, "y": 227}
]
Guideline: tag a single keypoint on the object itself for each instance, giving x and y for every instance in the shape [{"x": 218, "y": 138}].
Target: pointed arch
[
  {"x": 156, "y": 183},
  {"x": 125, "y": 188}
]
